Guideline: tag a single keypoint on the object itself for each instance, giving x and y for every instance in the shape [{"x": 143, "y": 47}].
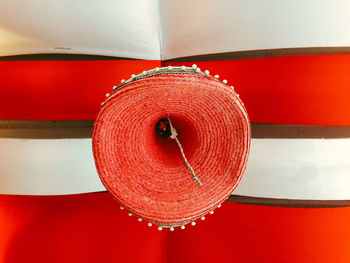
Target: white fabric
[
  {"x": 205, "y": 26},
  {"x": 277, "y": 168},
  {"x": 47, "y": 167},
  {"x": 298, "y": 169},
  {"x": 122, "y": 28},
  {"x": 155, "y": 29}
]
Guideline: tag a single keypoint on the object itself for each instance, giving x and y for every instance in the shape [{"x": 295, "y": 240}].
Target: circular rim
[{"x": 194, "y": 81}]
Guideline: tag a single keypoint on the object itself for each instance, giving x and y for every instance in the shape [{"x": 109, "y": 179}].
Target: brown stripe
[
  {"x": 262, "y": 53},
  {"x": 59, "y": 57},
  {"x": 32, "y": 129},
  {"x": 294, "y": 203},
  {"x": 262, "y": 130},
  {"x": 291, "y": 203}
]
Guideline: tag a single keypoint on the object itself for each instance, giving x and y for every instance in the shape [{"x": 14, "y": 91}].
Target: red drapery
[
  {"x": 307, "y": 89},
  {"x": 92, "y": 228},
  {"x": 310, "y": 89}
]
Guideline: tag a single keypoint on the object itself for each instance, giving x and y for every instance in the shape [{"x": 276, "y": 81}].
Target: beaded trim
[
  {"x": 172, "y": 70},
  {"x": 171, "y": 227}
]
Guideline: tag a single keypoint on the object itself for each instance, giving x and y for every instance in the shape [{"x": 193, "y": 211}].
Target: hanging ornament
[{"x": 171, "y": 144}]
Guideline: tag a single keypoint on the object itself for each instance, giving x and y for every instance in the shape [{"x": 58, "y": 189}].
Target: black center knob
[{"x": 163, "y": 128}]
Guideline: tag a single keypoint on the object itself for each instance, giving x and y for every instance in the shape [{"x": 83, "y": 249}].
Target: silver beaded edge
[
  {"x": 193, "y": 69},
  {"x": 171, "y": 227}
]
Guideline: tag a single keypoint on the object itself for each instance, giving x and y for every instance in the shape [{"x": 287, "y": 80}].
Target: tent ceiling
[
  {"x": 154, "y": 29},
  {"x": 124, "y": 28}
]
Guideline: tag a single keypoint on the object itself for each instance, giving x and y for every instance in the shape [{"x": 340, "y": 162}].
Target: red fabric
[
  {"x": 309, "y": 89},
  {"x": 75, "y": 228},
  {"x": 146, "y": 172},
  {"x": 92, "y": 228},
  {"x": 58, "y": 90}
]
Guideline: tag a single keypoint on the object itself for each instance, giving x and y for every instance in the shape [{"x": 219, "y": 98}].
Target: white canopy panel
[
  {"x": 165, "y": 29},
  {"x": 122, "y": 28},
  {"x": 298, "y": 169},
  {"x": 199, "y": 27},
  {"x": 277, "y": 168}
]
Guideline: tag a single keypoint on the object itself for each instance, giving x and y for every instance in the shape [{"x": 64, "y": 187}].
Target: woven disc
[{"x": 146, "y": 171}]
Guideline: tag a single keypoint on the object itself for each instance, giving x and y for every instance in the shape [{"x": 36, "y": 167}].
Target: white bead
[
  {"x": 121, "y": 207},
  {"x": 216, "y": 76},
  {"x": 102, "y": 103},
  {"x": 206, "y": 72},
  {"x": 198, "y": 70},
  {"x": 133, "y": 76},
  {"x": 232, "y": 87},
  {"x": 224, "y": 81},
  {"x": 130, "y": 214},
  {"x": 157, "y": 69},
  {"x": 170, "y": 67},
  {"x": 182, "y": 227},
  {"x": 122, "y": 81},
  {"x": 183, "y": 67},
  {"x": 171, "y": 229},
  {"x": 211, "y": 212},
  {"x": 149, "y": 224},
  {"x": 144, "y": 73},
  {"x": 202, "y": 218},
  {"x": 219, "y": 206},
  {"x": 237, "y": 95},
  {"x": 160, "y": 228},
  {"x": 107, "y": 95},
  {"x": 194, "y": 66},
  {"x": 193, "y": 223},
  {"x": 115, "y": 87},
  {"x": 139, "y": 219}
]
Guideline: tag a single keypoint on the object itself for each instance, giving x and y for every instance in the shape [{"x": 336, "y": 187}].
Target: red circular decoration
[{"x": 146, "y": 171}]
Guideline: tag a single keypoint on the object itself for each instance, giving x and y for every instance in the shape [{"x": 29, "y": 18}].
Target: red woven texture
[{"x": 146, "y": 172}]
